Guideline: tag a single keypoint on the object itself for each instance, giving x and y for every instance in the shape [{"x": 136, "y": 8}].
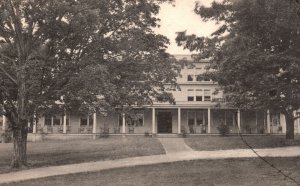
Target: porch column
[
  {"x": 268, "y": 122},
  {"x": 94, "y": 122},
  {"x": 153, "y": 121},
  {"x": 3, "y": 122},
  {"x": 208, "y": 121},
  {"x": 52, "y": 121},
  {"x": 34, "y": 127},
  {"x": 239, "y": 119},
  {"x": 298, "y": 114},
  {"x": 65, "y": 123},
  {"x": 88, "y": 120},
  {"x": 256, "y": 122},
  {"x": 298, "y": 125},
  {"x": 179, "y": 120},
  {"x": 123, "y": 124}
]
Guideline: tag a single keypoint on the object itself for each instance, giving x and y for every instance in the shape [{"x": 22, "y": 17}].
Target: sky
[{"x": 181, "y": 17}]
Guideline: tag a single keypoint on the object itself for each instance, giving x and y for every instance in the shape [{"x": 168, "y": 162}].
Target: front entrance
[{"x": 164, "y": 122}]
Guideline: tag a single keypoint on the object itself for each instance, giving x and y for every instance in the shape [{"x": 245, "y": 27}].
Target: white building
[{"x": 196, "y": 112}]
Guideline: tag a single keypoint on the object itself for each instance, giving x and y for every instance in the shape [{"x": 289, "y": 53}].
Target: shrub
[
  {"x": 223, "y": 129},
  {"x": 183, "y": 133},
  {"x": 6, "y": 136},
  {"x": 147, "y": 134},
  {"x": 104, "y": 133}
]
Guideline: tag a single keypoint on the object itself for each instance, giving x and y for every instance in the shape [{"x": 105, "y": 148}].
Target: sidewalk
[
  {"x": 146, "y": 160},
  {"x": 174, "y": 145}
]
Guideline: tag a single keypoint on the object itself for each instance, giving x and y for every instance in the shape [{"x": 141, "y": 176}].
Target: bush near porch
[
  {"x": 234, "y": 142},
  {"x": 58, "y": 152}
]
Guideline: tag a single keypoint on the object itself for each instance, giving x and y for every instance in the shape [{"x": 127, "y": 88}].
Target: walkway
[
  {"x": 172, "y": 155},
  {"x": 175, "y": 145}
]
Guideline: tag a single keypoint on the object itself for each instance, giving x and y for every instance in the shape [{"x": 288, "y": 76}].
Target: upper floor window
[
  {"x": 207, "y": 95},
  {"x": 199, "y": 94},
  {"x": 190, "y": 78},
  {"x": 190, "y": 94},
  {"x": 206, "y": 79},
  {"x": 199, "y": 78}
]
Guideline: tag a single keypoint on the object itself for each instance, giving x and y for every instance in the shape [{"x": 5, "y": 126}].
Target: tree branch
[
  {"x": 8, "y": 75},
  {"x": 6, "y": 57}
]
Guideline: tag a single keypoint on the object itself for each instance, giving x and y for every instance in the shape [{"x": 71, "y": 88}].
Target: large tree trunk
[
  {"x": 289, "y": 119},
  {"x": 19, "y": 158}
]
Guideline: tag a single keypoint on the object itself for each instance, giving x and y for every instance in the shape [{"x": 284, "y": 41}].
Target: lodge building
[{"x": 197, "y": 111}]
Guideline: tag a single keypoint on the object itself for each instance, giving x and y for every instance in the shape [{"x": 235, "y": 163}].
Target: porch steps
[{"x": 167, "y": 135}]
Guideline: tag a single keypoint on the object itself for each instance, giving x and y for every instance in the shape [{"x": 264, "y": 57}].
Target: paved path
[
  {"x": 145, "y": 160},
  {"x": 175, "y": 145}
]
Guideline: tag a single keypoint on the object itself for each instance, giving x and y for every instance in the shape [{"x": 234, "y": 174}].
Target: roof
[{"x": 189, "y": 58}]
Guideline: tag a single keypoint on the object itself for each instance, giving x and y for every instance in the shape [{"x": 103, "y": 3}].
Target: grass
[
  {"x": 235, "y": 142},
  {"x": 200, "y": 172},
  {"x": 59, "y": 152}
]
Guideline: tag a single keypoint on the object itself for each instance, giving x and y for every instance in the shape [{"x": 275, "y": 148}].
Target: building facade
[{"x": 197, "y": 111}]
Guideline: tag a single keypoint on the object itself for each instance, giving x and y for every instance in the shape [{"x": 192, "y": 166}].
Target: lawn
[
  {"x": 59, "y": 152},
  {"x": 235, "y": 142},
  {"x": 247, "y": 171}
]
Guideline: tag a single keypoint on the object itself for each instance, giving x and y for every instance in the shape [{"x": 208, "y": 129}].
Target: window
[
  {"x": 200, "y": 118},
  {"x": 86, "y": 121},
  {"x": 199, "y": 94},
  {"x": 139, "y": 120},
  {"x": 199, "y": 78},
  {"x": 67, "y": 119},
  {"x": 83, "y": 121},
  {"x": 56, "y": 121},
  {"x": 190, "y": 95},
  {"x": 48, "y": 120},
  {"x": 196, "y": 118},
  {"x": 207, "y": 95},
  {"x": 191, "y": 118},
  {"x": 190, "y": 78},
  {"x": 120, "y": 120},
  {"x": 206, "y": 79}
]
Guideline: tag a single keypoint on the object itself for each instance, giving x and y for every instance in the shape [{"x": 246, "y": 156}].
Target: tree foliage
[
  {"x": 255, "y": 53},
  {"x": 68, "y": 55}
]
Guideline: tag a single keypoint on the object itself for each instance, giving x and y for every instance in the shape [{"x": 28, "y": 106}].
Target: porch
[{"x": 162, "y": 120}]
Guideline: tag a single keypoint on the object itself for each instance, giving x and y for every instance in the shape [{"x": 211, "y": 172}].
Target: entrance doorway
[{"x": 164, "y": 122}]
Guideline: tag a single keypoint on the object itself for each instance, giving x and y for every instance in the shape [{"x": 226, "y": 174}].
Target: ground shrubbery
[
  {"x": 223, "y": 129},
  {"x": 6, "y": 136}
]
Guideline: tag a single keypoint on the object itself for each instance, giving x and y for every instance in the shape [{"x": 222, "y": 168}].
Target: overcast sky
[{"x": 180, "y": 18}]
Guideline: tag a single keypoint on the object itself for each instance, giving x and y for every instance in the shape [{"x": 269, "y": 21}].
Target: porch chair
[
  {"x": 81, "y": 130},
  {"x": 131, "y": 129},
  {"x": 192, "y": 130}
]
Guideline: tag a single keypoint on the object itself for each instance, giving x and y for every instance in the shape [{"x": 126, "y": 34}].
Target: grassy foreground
[
  {"x": 247, "y": 171},
  {"x": 235, "y": 142},
  {"x": 60, "y": 152}
]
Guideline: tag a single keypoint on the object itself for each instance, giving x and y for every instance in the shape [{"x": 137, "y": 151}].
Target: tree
[
  {"x": 78, "y": 54},
  {"x": 255, "y": 53}
]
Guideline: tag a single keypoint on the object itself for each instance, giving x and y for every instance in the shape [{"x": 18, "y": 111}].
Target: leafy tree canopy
[
  {"x": 98, "y": 54},
  {"x": 255, "y": 53}
]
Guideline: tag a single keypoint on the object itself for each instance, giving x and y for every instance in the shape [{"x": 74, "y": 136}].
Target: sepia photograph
[{"x": 149, "y": 92}]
